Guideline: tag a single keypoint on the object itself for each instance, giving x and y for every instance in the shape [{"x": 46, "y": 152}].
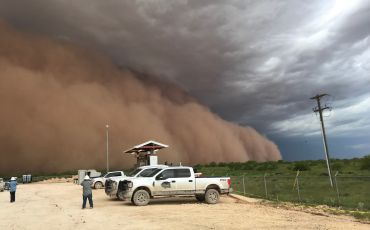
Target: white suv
[{"x": 99, "y": 182}]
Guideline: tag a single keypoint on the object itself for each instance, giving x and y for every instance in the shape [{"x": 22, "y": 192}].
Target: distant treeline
[
  {"x": 344, "y": 166},
  {"x": 341, "y": 165}
]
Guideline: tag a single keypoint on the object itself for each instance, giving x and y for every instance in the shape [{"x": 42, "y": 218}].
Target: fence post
[
  {"x": 299, "y": 193},
  {"x": 243, "y": 185},
  {"x": 264, "y": 179},
  {"x": 336, "y": 185}
]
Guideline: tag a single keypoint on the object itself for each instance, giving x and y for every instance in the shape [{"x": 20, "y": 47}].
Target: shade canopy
[{"x": 149, "y": 146}]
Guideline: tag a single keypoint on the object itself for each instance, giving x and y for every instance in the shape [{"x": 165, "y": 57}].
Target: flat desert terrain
[{"x": 58, "y": 206}]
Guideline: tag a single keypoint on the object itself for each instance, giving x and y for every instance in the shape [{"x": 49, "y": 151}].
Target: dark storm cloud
[{"x": 252, "y": 62}]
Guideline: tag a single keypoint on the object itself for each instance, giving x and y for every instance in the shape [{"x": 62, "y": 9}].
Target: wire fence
[{"x": 351, "y": 192}]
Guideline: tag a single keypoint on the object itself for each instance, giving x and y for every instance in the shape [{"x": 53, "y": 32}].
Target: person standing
[
  {"x": 12, "y": 188},
  {"x": 86, "y": 192}
]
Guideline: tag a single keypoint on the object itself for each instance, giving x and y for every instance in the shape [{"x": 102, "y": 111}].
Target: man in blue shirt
[
  {"x": 12, "y": 189},
  {"x": 86, "y": 192}
]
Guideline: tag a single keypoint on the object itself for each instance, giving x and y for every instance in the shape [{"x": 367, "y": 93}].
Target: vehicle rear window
[
  {"x": 115, "y": 174},
  {"x": 180, "y": 173},
  {"x": 169, "y": 173},
  {"x": 175, "y": 173},
  {"x": 149, "y": 172}
]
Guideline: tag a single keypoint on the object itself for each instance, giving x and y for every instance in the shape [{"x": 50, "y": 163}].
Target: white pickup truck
[
  {"x": 112, "y": 184},
  {"x": 174, "y": 181},
  {"x": 98, "y": 182}
]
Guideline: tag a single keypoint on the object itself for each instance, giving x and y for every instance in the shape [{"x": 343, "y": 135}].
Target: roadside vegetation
[{"x": 278, "y": 181}]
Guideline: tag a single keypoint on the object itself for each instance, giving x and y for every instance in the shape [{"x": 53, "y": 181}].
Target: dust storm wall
[{"x": 57, "y": 98}]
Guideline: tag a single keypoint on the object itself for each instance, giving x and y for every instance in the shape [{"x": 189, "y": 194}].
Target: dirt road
[{"x": 58, "y": 206}]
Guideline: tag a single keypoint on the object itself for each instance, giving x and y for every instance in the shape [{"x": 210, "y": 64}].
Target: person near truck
[
  {"x": 86, "y": 192},
  {"x": 12, "y": 188}
]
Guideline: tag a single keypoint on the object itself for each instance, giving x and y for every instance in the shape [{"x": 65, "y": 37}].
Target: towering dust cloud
[{"x": 56, "y": 100}]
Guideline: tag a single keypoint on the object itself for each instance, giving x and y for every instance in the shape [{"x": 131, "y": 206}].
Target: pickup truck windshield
[
  {"x": 112, "y": 174},
  {"x": 149, "y": 172},
  {"x": 133, "y": 173}
]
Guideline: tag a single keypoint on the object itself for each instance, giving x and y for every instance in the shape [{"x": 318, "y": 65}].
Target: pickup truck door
[
  {"x": 185, "y": 182},
  {"x": 165, "y": 183}
]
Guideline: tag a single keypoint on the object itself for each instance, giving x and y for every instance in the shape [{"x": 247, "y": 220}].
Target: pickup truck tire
[
  {"x": 212, "y": 196},
  {"x": 98, "y": 185},
  {"x": 141, "y": 197},
  {"x": 200, "y": 197}
]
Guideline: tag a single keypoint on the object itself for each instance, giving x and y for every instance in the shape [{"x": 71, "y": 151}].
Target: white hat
[
  {"x": 86, "y": 177},
  {"x": 13, "y": 178}
]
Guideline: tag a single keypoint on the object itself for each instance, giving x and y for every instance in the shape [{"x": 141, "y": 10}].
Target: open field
[
  {"x": 58, "y": 206},
  {"x": 277, "y": 181}
]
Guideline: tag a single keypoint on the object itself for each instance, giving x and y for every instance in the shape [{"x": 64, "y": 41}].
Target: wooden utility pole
[{"x": 326, "y": 149}]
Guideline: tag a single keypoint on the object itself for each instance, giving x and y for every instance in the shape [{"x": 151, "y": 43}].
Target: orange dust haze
[{"x": 56, "y": 100}]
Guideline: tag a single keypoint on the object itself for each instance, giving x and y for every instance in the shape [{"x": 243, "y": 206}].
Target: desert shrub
[
  {"x": 197, "y": 167},
  {"x": 265, "y": 166},
  {"x": 301, "y": 166},
  {"x": 222, "y": 164},
  {"x": 313, "y": 163},
  {"x": 365, "y": 163},
  {"x": 212, "y": 164},
  {"x": 236, "y": 166},
  {"x": 250, "y": 165},
  {"x": 361, "y": 215},
  {"x": 337, "y": 166}
]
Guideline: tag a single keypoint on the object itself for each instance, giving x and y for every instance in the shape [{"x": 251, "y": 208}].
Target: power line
[{"x": 319, "y": 109}]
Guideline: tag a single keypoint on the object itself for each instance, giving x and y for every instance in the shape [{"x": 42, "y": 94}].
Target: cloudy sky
[{"x": 252, "y": 62}]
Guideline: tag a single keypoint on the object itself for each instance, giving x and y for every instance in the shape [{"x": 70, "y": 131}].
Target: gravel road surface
[{"x": 58, "y": 206}]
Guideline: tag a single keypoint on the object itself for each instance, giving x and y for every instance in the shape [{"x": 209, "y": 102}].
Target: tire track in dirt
[{"x": 59, "y": 207}]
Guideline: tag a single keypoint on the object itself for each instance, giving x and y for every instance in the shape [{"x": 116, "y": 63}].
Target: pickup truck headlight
[{"x": 129, "y": 184}]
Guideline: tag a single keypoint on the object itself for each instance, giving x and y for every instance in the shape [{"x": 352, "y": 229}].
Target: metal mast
[{"x": 107, "y": 133}]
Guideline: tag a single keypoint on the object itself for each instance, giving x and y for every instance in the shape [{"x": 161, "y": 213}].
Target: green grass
[{"x": 361, "y": 215}]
